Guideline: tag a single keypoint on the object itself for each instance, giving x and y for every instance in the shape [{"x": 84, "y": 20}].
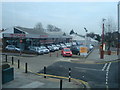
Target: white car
[
  {"x": 68, "y": 45},
  {"x": 55, "y": 47},
  {"x": 45, "y": 50},
  {"x": 12, "y": 47},
  {"x": 39, "y": 50}
]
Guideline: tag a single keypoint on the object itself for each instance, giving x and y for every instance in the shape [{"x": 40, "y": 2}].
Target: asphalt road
[{"x": 97, "y": 75}]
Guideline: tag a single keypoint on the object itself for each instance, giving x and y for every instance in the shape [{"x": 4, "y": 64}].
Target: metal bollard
[
  {"x": 45, "y": 72},
  {"x": 18, "y": 63},
  {"x": 26, "y": 68},
  {"x": 12, "y": 60},
  {"x": 6, "y": 58},
  {"x": 60, "y": 84},
  {"x": 50, "y": 54},
  {"x": 57, "y": 54},
  {"x": 69, "y": 74}
]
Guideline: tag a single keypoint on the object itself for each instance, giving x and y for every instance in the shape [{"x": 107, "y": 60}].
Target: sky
[{"x": 65, "y": 15}]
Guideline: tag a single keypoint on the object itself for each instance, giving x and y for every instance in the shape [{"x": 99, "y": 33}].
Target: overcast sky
[{"x": 65, "y": 15}]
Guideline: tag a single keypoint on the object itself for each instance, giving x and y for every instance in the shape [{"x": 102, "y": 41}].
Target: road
[{"x": 97, "y": 75}]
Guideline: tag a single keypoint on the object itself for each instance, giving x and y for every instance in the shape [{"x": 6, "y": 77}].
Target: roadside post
[
  {"x": 60, "y": 84},
  {"x": 6, "y": 58},
  {"x": 21, "y": 46},
  {"x": 18, "y": 63},
  {"x": 57, "y": 54},
  {"x": 69, "y": 74},
  {"x": 25, "y": 67},
  {"x": 12, "y": 60},
  {"x": 50, "y": 54},
  {"x": 44, "y": 72}
]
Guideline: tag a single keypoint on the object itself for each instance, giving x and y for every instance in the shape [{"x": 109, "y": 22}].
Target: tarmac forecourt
[
  {"x": 61, "y": 77},
  {"x": 86, "y": 85}
]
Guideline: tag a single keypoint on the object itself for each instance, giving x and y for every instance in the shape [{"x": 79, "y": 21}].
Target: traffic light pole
[{"x": 101, "y": 50}]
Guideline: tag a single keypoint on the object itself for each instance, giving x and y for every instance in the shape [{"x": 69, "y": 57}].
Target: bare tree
[
  {"x": 110, "y": 27},
  {"x": 39, "y": 26},
  {"x": 52, "y": 28}
]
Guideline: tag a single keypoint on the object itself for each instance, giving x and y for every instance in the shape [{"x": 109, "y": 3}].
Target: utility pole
[
  {"x": 118, "y": 28},
  {"x": 102, "y": 51}
]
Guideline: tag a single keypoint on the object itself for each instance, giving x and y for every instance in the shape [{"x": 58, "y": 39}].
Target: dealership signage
[
  {"x": 83, "y": 51},
  {"x": 33, "y": 36}
]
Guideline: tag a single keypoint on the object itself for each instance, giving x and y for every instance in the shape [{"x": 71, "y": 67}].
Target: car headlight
[{"x": 64, "y": 53}]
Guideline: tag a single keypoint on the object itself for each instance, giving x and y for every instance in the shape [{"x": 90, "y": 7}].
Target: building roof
[
  {"x": 77, "y": 37},
  {"x": 31, "y": 30}
]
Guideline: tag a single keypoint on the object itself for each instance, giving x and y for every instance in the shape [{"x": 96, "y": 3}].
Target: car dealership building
[{"x": 23, "y": 37}]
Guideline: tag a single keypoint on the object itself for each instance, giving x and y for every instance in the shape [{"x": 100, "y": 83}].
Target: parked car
[
  {"x": 75, "y": 49},
  {"x": 36, "y": 49},
  {"x": 58, "y": 45},
  {"x": 91, "y": 47},
  {"x": 68, "y": 45},
  {"x": 51, "y": 49},
  {"x": 62, "y": 46},
  {"x": 45, "y": 50},
  {"x": 66, "y": 52},
  {"x": 39, "y": 50},
  {"x": 55, "y": 47},
  {"x": 12, "y": 47}
]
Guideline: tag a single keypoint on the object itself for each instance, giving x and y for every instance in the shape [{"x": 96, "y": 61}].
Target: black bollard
[
  {"x": 44, "y": 72},
  {"x": 6, "y": 58},
  {"x": 60, "y": 84},
  {"x": 26, "y": 68},
  {"x": 12, "y": 60},
  {"x": 18, "y": 63},
  {"x": 69, "y": 74}
]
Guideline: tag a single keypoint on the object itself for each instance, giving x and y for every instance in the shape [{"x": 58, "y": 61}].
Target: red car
[{"x": 66, "y": 52}]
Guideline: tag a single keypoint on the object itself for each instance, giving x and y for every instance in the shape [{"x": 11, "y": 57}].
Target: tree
[
  {"x": 72, "y": 32},
  {"x": 39, "y": 26},
  {"x": 64, "y": 34},
  {"x": 52, "y": 28},
  {"x": 110, "y": 28},
  {"x": 94, "y": 36}
]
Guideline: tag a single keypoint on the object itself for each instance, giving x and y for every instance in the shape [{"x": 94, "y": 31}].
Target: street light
[
  {"x": 85, "y": 36},
  {"x": 118, "y": 28},
  {"x": 102, "y": 51}
]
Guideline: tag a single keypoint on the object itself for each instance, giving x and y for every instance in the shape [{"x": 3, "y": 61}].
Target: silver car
[{"x": 12, "y": 47}]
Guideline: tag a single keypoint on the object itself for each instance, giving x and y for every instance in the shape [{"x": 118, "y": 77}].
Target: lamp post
[
  {"x": 118, "y": 27},
  {"x": 102, "y": 51},
  {"x": 85, "y": 36}
]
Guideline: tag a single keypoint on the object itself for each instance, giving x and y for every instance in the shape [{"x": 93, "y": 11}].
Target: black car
[{"x": 75, "y": 49}]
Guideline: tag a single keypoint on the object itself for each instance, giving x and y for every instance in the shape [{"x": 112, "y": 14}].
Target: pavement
[
  {"x": 94, "y": 57},
  {"x": 31, "y": 80}
]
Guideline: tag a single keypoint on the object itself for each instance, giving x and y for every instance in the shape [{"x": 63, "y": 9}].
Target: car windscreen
[{"x": 66, "y": 50}]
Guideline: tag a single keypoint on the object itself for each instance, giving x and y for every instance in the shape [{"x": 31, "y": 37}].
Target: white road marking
[
  {"x": 106, "y": 83},
  {"x": 104, "y": 67},
  {"x": 108, "y": 67}
]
